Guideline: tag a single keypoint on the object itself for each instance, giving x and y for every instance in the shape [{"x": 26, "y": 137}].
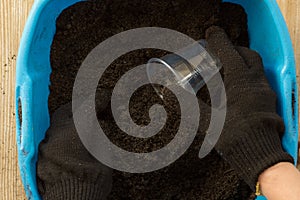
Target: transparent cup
[{"x": 190, "y": 68}]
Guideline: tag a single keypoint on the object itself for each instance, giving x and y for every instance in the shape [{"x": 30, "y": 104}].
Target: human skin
[{"x": 280, "y": 182}]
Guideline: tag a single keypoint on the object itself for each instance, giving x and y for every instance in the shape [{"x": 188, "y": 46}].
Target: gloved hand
[
  {"x": 250, "y": 139},
  {"x": 65, "y": 169}
]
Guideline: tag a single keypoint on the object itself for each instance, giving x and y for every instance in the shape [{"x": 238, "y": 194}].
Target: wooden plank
[
  {"x": 13, "y": 15},
  {"x": 291, "y": 12}
]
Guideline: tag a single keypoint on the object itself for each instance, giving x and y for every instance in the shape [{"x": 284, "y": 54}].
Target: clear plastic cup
[{"x": 190, "y": 68}]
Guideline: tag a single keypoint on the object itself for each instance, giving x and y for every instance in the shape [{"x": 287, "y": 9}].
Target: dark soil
[{"x": 84, "y": 25}]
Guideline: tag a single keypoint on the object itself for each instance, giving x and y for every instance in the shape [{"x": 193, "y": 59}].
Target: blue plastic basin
[{"x": 268, "y": 35}]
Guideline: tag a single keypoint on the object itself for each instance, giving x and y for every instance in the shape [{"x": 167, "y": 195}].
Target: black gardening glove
[
  {"x": 250, "y": 140},
  {"x": 65, "y": 169}
]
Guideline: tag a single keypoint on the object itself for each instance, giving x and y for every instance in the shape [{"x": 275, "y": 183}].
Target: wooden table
[{"x": 13, "y": 14}]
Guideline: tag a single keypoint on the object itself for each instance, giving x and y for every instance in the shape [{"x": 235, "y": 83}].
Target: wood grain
[
  {"x": 291, "y": 12},
  {"x": 13, "y": 15}
]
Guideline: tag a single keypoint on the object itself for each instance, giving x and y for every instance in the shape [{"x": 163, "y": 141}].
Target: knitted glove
[
  {"x": 65, "y": 169},
  {"x": 250, "y": 140}
]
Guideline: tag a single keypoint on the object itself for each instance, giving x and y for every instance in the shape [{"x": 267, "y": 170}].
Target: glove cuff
[
  {"x": 256, "y": 151},
  {"x": 76, "y": 189}
]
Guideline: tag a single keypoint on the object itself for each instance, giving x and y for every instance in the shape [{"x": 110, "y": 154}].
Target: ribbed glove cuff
[
  {"x": 75, "y": 189},
  {"x": 257, "y": 152}
]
